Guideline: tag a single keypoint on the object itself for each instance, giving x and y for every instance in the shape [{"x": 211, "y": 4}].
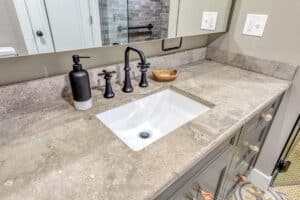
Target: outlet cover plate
[
  {"x": 209, "y": 20},
  {"x": 255, "y": 25}
]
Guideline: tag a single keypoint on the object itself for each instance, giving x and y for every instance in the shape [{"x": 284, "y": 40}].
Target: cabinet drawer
[
  {"x": 177, "y": 186},
  {"x": 254, "y": 132},
  {"x": 209, "y": 179},
  {"x": 248, "y": 146}
]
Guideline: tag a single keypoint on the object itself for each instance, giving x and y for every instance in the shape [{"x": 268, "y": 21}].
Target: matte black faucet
[{"x": 143, "y": 68}]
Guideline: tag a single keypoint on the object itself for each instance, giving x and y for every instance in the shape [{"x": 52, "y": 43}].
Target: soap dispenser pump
[{"x": 80, "y": 84}]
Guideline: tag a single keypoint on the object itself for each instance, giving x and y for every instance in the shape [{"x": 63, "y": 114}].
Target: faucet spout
[
  {"x": 138, "y": 51},
  {"x": 127, "y": 82}
]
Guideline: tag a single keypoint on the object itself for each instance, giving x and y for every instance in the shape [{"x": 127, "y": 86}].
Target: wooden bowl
[{"x": 164, "y": 75}]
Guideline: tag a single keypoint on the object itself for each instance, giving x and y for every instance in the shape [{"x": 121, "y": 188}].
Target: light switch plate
[
  {"x": 255, "y": 25},
  {"x": 209, "y": 20}
]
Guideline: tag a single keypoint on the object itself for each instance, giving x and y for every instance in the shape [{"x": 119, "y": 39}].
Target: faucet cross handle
[
  {"x": 143, "y": 69},
  {"x": 107, "y": 74},
  {"x": 109, "y": 93}
]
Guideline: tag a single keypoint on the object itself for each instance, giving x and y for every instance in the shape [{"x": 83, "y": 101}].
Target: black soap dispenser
[{"x": 80, "y": 84}]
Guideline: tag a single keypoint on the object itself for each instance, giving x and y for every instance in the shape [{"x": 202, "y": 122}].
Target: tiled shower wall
[
  {"x": 165, "y": 18},
  {"x": 144, "y": 12},
  {"x": 114, "y": 20},
  {"x": 113, "y": 14}
]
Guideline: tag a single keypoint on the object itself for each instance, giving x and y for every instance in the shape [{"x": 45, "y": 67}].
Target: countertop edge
[{"x": 219, "y": 140}]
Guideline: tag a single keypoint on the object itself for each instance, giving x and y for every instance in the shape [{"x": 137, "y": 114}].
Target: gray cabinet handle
[
  {"x": 254, "y": 148},
  {"x": 267, "y": 117},
  {"x": 241, "y": 178}
]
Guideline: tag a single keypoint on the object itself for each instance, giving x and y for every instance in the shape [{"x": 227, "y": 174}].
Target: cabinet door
[
  {"x": 210, "y": 179},
  {"x": 253, "y": 134},
  {"x": 72, "y": 28},
  {"x": 248, "y": 146},
  {"x": 235, "y": 171}
]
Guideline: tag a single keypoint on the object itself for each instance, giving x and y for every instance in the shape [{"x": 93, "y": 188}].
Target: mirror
[{"x": 41, "y": 26}]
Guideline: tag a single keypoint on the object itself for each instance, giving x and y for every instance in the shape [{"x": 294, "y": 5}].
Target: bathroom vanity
[
  {"x": 141, "y": 139},
  {"x": 69, "y": 154},
  {"x": 224, "y": 168}
]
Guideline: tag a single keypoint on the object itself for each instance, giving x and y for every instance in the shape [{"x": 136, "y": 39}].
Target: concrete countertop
[{"x": 58, "y": 153}]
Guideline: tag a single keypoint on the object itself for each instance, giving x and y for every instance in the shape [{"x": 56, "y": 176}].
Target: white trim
[
  {"x": 87, "y": 37},
  {"x": 37, "y": 13},
  {"x": 96, "y": 30},
  {"x": 259, "y": 179},
  {"x": 32, "y": 17},
  {"x": 25, "y": 25},
  {"x": 173, "y": 18}
]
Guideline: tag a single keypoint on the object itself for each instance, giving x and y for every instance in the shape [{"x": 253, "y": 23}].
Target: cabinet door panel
[
  {"x": 248, "y": 146},
  {"x": 209, "y": 179},
  {"x": 243, "y": 168},
  {"x": 198, "y": 168},
  {"x": 254, "y": 132}
]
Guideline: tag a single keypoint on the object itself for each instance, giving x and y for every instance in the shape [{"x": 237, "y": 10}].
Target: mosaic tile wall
[
  {"x": 145, "y": 12},
  {"x": 113, "y": 14}
]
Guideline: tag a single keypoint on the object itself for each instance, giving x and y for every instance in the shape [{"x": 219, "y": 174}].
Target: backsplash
[
  {"x": 268, "y": 67},
  {"x": 33, "y": 95}
]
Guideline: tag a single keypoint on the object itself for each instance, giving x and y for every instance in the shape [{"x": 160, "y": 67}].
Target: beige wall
[
  {"x": 191, "y": 11},
  {"x": 282, "y": 33},
  {"x": 20, "y": 69},
  {"x": 281, "y": 42},
  {"x": 10, "y": 31}
]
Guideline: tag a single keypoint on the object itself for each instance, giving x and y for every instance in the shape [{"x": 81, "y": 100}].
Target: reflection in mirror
[
  {"x": 42, "y": 26},
  {"x": 202, "y": 16}
]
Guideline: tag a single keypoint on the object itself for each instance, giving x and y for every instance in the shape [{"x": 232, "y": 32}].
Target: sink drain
[{"x": 144, "y": 135}]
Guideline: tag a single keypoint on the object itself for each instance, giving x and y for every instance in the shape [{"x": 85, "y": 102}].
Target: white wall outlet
[
  {"x": 209, "y": 20},
  {"x": 255, "y": 25}
]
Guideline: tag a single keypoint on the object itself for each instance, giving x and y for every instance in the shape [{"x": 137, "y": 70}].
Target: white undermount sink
[{"x": 141, "y": 122}]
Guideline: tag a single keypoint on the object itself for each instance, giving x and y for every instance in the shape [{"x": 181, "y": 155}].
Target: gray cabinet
[
  {"x": 218, "y": 173},
  {"x": 209, "y": 174},
  {"x": 254, "y": 132},
  {"x": 209, "y": 179},
  {"x": 248, "y": 146}
]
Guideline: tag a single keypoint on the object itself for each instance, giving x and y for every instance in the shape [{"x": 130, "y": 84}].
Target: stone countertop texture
[{"x": 57, "y": 153}]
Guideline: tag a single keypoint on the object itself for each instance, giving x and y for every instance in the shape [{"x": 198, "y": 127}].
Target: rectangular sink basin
[{"x": 142, "y": 122}]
